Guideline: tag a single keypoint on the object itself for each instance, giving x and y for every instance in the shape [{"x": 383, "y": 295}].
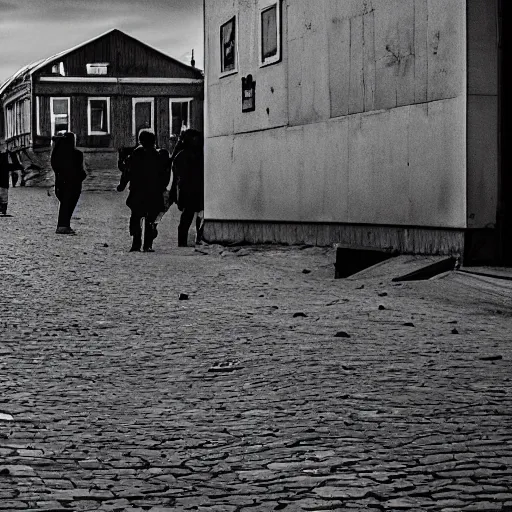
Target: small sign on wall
[{"x": 248, "y": 94}]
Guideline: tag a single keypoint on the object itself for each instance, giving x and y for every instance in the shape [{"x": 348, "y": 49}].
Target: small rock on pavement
[
  {"x": 383, "y": 294},
  {"x": 408, "y": 324},
  {"x": 342, "y": 334},
  {"x": 306, "y": 271},
  {"x": 455, "y": 331},
  {"x": 300, "y": 314},
  {"x": 496, "y": 357},
  {"x": 381, "y": 308},
  {"x": 183, "y": 296}
]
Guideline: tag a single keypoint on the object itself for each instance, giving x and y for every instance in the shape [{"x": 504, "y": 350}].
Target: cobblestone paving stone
[{"x": 109, "y": 401}]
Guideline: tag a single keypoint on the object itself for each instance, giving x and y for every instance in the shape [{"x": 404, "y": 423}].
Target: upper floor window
[
  {"x": 270, "y": 34},
  {"x": 228, "y": 47},
  {"x": 58, "y": 69},
  {"x": 97, "y": 68},
  {"x": 98, "y": 114},
  {"x": 59, "y": 114}
]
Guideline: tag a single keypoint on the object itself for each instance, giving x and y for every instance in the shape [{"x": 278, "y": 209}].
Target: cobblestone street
[{"x": 358, "y": 394}]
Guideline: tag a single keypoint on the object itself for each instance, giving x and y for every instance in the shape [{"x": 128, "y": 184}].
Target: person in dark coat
[
  {"x": 147, "y": 175},
  {"x": 68, "y": 165},
  {"x": 5, "y": 170},
  {"x": 188, "y": 185}
]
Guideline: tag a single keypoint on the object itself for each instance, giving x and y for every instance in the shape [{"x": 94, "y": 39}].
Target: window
[
  {"x": 17, "y": 117},
  {"x": 228, "y": 48},
  {"x": 98, "y": 68},
  {"x": 143, "y": 110},
  {"x": 98, "y": 116},
  {"x": 270, "y": 34},
  {"x": 179, "y": 109},
  {"x": 59, "y": 112},
  {"x": 38, "y": 115},
  {"x": 58, "y": 69}
]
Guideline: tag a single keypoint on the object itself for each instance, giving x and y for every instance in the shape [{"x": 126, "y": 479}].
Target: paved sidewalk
[{"x": 273, "y": 387}]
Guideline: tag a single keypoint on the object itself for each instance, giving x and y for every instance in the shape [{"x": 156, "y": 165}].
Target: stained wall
[{"x": 362, "y": 121}]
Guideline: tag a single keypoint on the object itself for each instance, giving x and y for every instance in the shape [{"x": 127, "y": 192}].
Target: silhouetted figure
[
  {"x": 188, "y": 185},
  {"x": 5, "y": 171},
  {"x": 68, "y": 165},
  {"x": 147, "y": 173}
]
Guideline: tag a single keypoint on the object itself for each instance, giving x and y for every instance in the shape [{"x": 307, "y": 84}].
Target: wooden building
[
  {"x": 105, "y": 90},
  {"x": 365, "y": 122}
]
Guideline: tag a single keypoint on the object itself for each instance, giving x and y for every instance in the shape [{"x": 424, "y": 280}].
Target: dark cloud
[{"x": 7, "y": 7}]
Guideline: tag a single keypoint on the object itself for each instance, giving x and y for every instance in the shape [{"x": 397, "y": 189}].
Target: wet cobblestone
[{"x": 107, "y": 402}]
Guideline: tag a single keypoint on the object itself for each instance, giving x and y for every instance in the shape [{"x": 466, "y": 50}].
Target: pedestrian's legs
[
  {"x": 68, "y": 200},
  {"x": 4, "y": 199},
  {"x": 64, "y": 217},
  {"x": 136, "y": 229},
  {"x": 187, "y": 216},
  {"x": 199, "y": 226},
  {"x": 74, "y": 196},
  {"x": 150, "y": 232}
]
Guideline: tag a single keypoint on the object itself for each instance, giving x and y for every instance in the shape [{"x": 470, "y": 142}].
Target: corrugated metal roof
[{"x": 32, "y": 68}]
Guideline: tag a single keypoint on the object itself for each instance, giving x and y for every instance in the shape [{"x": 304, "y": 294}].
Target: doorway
[
  {"x": 143, "y": 115},
  {"x": 505, "y": 131}
]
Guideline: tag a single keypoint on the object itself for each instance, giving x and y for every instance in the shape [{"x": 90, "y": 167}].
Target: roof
[{"x": 30, "y": 69}]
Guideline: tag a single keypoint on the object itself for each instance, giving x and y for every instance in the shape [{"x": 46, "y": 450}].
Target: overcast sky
[{"x": 36, "y": 29}]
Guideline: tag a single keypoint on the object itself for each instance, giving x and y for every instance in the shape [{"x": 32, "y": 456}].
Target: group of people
[{"x": 156, "y": 181}]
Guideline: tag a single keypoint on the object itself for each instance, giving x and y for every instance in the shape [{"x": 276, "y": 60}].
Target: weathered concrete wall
[
  {"x": 369, "y": 121},
  {"x": 223, "y": 107},
  {"x": 482, "y": 113}
]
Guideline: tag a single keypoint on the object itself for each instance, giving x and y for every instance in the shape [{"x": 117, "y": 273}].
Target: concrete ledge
[{"x": 406, "y": 240}]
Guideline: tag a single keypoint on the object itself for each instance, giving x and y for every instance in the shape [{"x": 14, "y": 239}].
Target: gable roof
[{"x": 30, "y": 69}]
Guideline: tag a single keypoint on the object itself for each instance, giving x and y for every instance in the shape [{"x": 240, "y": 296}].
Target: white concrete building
[{"x": 375, "y": 123}]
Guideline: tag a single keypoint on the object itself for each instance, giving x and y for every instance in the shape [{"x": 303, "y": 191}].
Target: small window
[
  {"x": 180, "y": 115},
  {"x": 58, "y": 69},
  {"x": 59, "y": 115},
  {"x": 99, "y": 116},
  {"x": 97, "y": 68},
  {"x": 270, "y": 34},
  {"x": 228, "y": 47}
]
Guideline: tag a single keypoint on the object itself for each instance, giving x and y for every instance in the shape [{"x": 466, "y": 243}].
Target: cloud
[
  {"x": 7, "y": 7},
  {"x": 40, "y": 28}
]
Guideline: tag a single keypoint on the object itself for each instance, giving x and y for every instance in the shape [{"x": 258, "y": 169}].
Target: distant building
[
  {"x": 105, "y": 90},
  {"x": 365, "y": 122}
]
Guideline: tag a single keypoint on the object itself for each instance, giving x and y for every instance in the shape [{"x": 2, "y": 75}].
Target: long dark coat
[
  {"x": 68, "y": 167},
  {"x": 5, "y": 169},
  {"x": 148, "y": 175},
  {"x": 188, "y": 179}
]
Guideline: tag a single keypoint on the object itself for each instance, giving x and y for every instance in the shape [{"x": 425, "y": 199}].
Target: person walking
[
  {"x": 5, "y": 171},
  {"x": 187, "y": 188},
  {"x": 68, "y": 165},
  {"x": 146, "y": 172}
]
